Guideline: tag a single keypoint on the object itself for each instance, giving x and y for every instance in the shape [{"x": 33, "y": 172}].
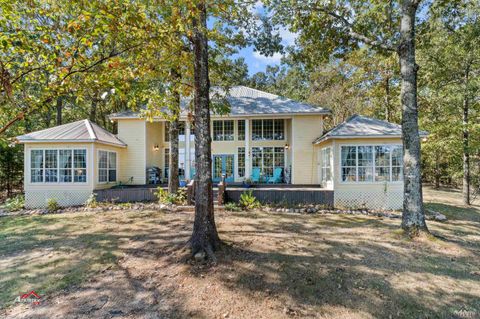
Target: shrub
[
  {"x": 52, "y": 205},
  {"x": 232, "y": 207},
  {"x": 248, "y": 201},
  {"x": 91, "y": 201},
  {"x": 14, "y": 203},
  {"x": 164, "y": 197}
]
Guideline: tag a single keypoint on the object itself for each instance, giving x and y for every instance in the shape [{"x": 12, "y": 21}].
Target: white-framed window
[
  {"x": 107, "y": 166},
  {"x": 241, "y": 162},
  {"x": 371, "y": 163},
  {"x": 267, "y": 159},
  {"x": 241, "y": 130},
  {"x": 268, "y": 130},
  {"x": 223, "y": 130},
  {"x": 58, "y": 165},
  {"x": 326, "y": 164}
]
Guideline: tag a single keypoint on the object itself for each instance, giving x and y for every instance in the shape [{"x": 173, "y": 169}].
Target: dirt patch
[{"x": 273, "y": 265}]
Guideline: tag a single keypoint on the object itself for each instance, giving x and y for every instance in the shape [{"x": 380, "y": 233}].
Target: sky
[{"x": 257, "y": 62}]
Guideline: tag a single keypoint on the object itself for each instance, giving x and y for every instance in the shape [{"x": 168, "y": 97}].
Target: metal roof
[
  {"x": 79, "y": 131},
  {"x": 246, "y": 101},
  {"x": 358, "y": 126}
]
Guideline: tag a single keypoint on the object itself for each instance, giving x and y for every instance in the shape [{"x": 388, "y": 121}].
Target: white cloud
[{"x": 274, "y": 59}]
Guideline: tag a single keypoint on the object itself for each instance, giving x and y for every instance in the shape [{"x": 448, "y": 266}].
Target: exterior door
[{"x": 223, "y": 165}]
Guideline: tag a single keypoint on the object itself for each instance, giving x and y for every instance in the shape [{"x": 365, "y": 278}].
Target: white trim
[
  {"x": 59, "y": 141},
  {"x": 43, "y": 182},
  {"x": 108, "y": 168},
  {"x": 326, "y": 138},
  {"x": 90, "y": 130}
]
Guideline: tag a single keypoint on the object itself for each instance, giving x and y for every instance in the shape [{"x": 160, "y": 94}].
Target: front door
[{"x": 223, "y": 165}]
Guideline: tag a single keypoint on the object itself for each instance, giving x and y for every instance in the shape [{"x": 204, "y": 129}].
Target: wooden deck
[{"x": 276, "y": 194}]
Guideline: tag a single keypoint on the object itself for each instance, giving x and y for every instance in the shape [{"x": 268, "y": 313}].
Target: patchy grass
[{"x": 276, "y": 265}]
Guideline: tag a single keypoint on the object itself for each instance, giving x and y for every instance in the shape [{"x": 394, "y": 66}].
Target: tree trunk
[
  {"x": 466, "y": 154},
  {"x": 93, "y": 110},
  {"x": 413, "y": 219},
  {"x": 173, "y": 159},
  {"x": 59, "y": 110},
  {"x": 204, "y": 237}
]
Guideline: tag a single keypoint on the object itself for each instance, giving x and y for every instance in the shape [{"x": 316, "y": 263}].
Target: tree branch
[{"x": 355, "y": 35}]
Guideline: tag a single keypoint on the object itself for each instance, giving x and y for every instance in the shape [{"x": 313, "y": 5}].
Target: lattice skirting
[
  {"x": 369, "y": 198},
  {"x": 39, "y": 198}
]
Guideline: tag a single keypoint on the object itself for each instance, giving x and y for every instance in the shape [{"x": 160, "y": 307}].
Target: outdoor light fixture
[
  {"x": 156, "y": 147},
  {"x": 287, "y": 146}
]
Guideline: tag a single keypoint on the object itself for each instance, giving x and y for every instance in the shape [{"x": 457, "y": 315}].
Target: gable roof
[
  {"x": 245, "y": 101},
  {"x": 358, "y": 126},
  {"x": 79, "y": 131}
]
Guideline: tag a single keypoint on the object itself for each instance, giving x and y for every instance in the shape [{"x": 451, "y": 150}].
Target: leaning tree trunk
[
  {"x": 466, "y": 154},
  {"x": 204, "y": 237},
  {"x": 413, "y": 219},
  {"x": 173, "y": 159}
]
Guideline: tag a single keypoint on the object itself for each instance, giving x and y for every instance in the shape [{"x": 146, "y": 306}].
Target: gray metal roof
[
  {"x": 80, "y": 131},
  {"x": 358, "y": 126},
  {"x": 246, "y": 101}
]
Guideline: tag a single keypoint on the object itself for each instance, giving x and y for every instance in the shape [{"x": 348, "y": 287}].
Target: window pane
[
  {"x": 112, "y": 175},
  {"x": 256, "y": 157},
  {"x": 348, "y": 174},
  {"x": 268, "y": 161},
  {"x": 241, "y": 130},
  {"x": 228, "y": 131},
  {"x": 349, "y": 154},
  {"x": 326, "y": 165},
  {"x": 36, "y": 163},
  {"x": 65, "y": 159},
  {"x": 102, "y": 175},
  {"x": 112, "y": 160},
  {"x": 102, "y": 160},
  {"x": 217, "y": 131},
  {"x": 397, "y": 156},
  {"x": 256, "y": 130},
  {"x": 36, "y": 159},
  {"x": 365, "y": 156},
  {"x": 279, "y": 130},
  {"x": 279, "y": 157},
  {"x": 36, "y": 175},
  {"x": 382, "y": 174},
  {"x": 65, "y": 175},
  {"x": 80, "y": 158},
  {"x": 365, "y": 174},
  {"x": 382, "y": 156},
  {"x": 268, "y": 130},
  {"x": 397, "y": 174},
  {"x": 80, "y": 175},
  {"x": 51, "y": 165},
  {"x": 241, "y": 161}
]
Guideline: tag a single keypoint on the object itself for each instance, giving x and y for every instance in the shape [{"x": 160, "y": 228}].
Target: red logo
[{"x": 31, "y": 298}]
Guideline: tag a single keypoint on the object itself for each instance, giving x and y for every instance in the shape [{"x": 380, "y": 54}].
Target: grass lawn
[{"x": 275, "y": 265}]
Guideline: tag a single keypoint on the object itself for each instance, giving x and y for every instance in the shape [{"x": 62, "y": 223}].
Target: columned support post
[
  {"x": 187, "y": 150},
  {"x": 248, "y": 162}
]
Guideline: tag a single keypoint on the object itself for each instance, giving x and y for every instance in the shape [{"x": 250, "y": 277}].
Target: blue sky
[{"x": 257, "y": 62}]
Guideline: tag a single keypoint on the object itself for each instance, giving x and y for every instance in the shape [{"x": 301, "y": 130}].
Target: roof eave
[
  {"x": 27, "y": 141},
  {"x": 325, "y": 138}
]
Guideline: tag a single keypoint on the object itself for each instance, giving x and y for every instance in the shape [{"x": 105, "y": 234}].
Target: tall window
[
  {"x": 379, "y": 163},
  {"x": 268, "y": 130},
  {"x": 241, "y": 130},
  {"x": 241, "y": 162},
  {"x": 223, "y": 130},
  {"x": 166, "y": 164},
  {"x": 107, "y": 166},
  {"x": 58, "y": 165},
  {"x": 326, "y": 164},
  {"x": 267, "y": 159}
]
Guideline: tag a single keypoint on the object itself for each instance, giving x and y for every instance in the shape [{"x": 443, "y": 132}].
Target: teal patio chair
[
  {"x": 255, "y": 175},
  {"x": 277, "y": 176}
]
